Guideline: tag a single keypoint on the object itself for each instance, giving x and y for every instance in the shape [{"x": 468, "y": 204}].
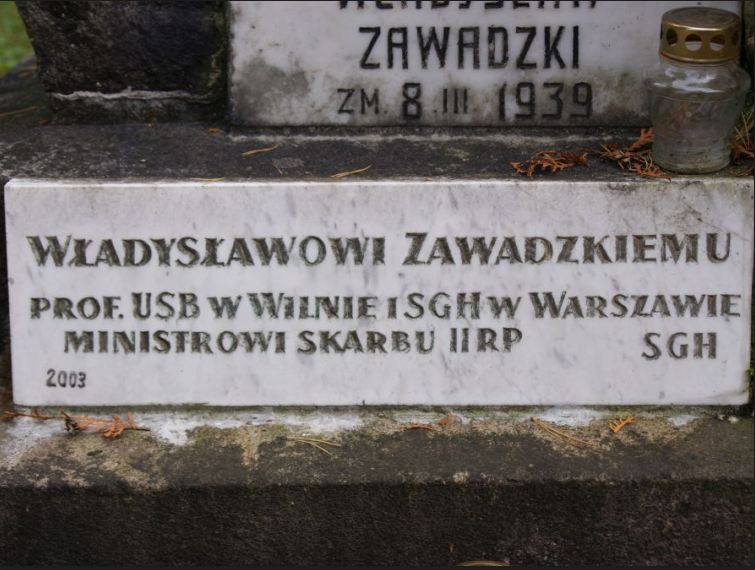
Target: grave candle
[{"x": 697, "y": 90}]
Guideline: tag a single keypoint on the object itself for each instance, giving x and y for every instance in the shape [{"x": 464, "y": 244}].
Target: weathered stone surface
[
  {"x": 162, "y": 151},
  {"x": 130, "y": 60},
  {"x": 386, "y": 293},
  {"x": 32, "y": 147},
  {"x": 496, "y": 487},
  {"x": 503, "y": 64}
]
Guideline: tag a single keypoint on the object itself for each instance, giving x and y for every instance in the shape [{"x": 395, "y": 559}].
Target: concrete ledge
[
  {"x": 231, "y": 488},
  {"x": 37, "y": 143}
]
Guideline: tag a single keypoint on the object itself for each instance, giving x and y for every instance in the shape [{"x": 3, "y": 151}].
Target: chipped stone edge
[
  {"x": 133, "y": 94},
  {"x": 174, "y": 427}
]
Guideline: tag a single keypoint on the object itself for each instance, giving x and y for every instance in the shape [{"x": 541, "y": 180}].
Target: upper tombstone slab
[{"x": 444, "y": 63}]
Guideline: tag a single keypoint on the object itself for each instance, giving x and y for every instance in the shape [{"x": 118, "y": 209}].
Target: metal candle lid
[{"x": 700, "y": 35}]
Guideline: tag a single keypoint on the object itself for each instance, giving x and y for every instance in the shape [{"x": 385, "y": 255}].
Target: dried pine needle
[
  {"x": 18, "y": 111},
  {"x": 743, "y": 131},
  {"x": 208, "y": 180},
  {"x": 312, "y": 439},
  {"x": 110, "y": 429},
  {"x": 350, "y": 172},
  {"x": 35, "y": 415},
  {"x": 318, "y": 446},
  {"x": 742, "y": 143},
  {"x": 421, "y": 426},
  {"x": 259, "y": 150},
  {"x": 560, "y": 434},
  {"x": 318, "y": 443}
]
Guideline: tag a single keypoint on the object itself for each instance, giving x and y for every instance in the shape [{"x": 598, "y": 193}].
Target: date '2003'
[{"x": 63, "y": 379}]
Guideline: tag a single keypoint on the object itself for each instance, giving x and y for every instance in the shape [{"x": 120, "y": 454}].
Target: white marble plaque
[
  {"x": 444, "y": 63},
  {"x": 335, "y": 293}
]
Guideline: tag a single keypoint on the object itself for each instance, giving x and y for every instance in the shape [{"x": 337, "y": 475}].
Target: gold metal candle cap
[{"x": 700, "y": 35}]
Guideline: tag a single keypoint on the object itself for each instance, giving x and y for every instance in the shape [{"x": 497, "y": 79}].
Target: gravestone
[
  {"x": 341, "y": 293},
  {"x": 492, "y": 64},
  {"x": 366, "y": 307},
  {"x": 442, "y": 293}
]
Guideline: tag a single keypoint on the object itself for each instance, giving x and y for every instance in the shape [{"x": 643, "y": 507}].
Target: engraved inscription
[
  {"x": 408, "y": 292},
  {"x": 479, "y": 63}
]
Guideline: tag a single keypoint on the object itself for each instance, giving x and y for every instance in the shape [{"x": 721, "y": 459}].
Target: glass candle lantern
[{"x": 696, "y": 91}]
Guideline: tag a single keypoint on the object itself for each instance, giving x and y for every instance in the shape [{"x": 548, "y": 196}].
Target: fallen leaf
[
  {"x": 549, "y": 160},
  {"x": 645, "y": 139},
  {"x": 636, "y": 158},
  {"x": 35, "y": 415},
  {"x": 617, "y": 424},
  {"x": 448, "y": 420},
  {"x": 420, "y": 426}
]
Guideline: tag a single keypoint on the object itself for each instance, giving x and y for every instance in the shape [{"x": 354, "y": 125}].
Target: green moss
[
  {"x": 14, "y": 43},
  {"x": 217, "y": 71}
]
